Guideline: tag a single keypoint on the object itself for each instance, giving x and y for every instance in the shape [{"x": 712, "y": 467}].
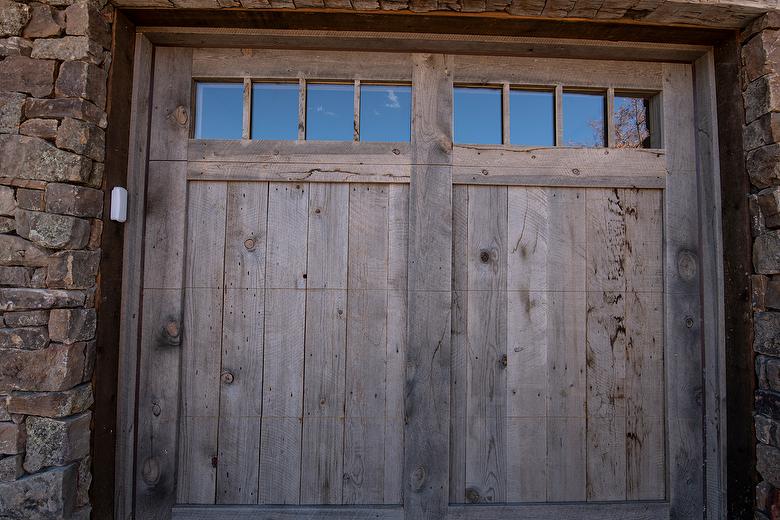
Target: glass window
[
  {"x": 385, "y": 113},
  {"x": 583, "y": 119},
  {"x": 330, "y": 112},
  {"x": 631, "y": 117},
  {"x": 532, "y": 118},
  {"x": 219, "y": 110},
  {"x": 477, "y": 118},
  {"x": 275, "y": 111}
]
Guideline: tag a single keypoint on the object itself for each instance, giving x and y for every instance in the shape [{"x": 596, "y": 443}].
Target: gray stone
[
  {"x": 772, "y": 294},
  {"x": 768, "y": 404},
  {"x": 52, "y": 404},
  {"x": 68, "y": 48},
  {"x": 38, "y": 278},
  {"x": 7, "y": 224},
  {"x": 28, "y": 338},
  {"x": 761, "y": 96},
  {"x": 12, "y": 438},
  {"x": 769, "y": 200},
  {"x": 76, "y": 108},
  {"x": 26, "y": 318},
  {"x": 763, "y": 165},
  {"x": 15, "y": 46},
  {"x": 49, "y": 495},
  {"x": 42, "y": 22},
  {"x": 84, "y": 80},
  {"x": 14, "y": 276},
  {"x": 766, "y": 338},
  {"x": 4, "y": 414},
  {"x": 768, "y": 463},
  {"x": 58, "y": 367},
  {"x": 33, "y": 158},
  {"x": 11, "y": 467},
  {"x": 757, "y": 225},
  {"x": 17, "y": 299},
  {"x": 767, "y": 430},
  {"x": 84, "y": 482},
  {"x": 763, "y": 131},
  {"x": 766, "y": 253},
  {"x": 73, "y": 200},
  {"x": 760, "y": 53},
  {"x": 7, "y": 201},
  {"x": 55, "y": 442},
  {"x": 73, "y": 269},
  {"x": 43, "y": 128},
  {"x": 18, "y": 251},
  {"x": 84, "y": 19},
  {"x": 52, "y": 231},
  {"x": 89, "y": 360},
  {"x": 23, "y": 74},
  {"x": 30, "y": 199},
  {"x": 13, "y": 17},
  {"x": 11, "y": 104},
  {"x": 768, "y": 372},
  {"x": 82, "y": 138},
  {"x": 72, "y": 325}
]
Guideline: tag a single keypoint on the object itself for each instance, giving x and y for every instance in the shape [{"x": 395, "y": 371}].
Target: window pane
[
  {"x": 477, "y": 115},
  {"x": 631, "y": 122},
  {"x": 532, "y": 118},
  {"x": 330, "y": 112},
  {"x": 219, "y": 110},
  {"x": 583, "y": 119},
  {"x": 275, "y": 111},
  {"x": 385, "y": 113}
]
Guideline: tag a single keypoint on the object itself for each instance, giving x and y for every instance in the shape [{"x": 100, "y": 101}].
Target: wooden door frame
[{"x": 709, "y": 264}]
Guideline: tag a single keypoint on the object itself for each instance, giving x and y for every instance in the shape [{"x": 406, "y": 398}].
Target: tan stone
[
  {"x": 68, "y": 48},
  {"x": 30, "y": 199},
  {"x": 78, "y": 201},
  {"x": 76, "y": 108},
  {"x": 46, "y": 495},
  {"x": 28, "y": 338},
  {"x": 763, "y": 131},
  {"x": 82, "y": 138},
  {"x": 15, "y": 46},
  {"x": 18, "y": 251},
  {"x": 73, "y": 269},
  {"x": 13, "y": 17},
  {"x": 18, "y": 298},
  {"x": 769, "y": 200},
  {"x": 72, "y": 325},
  {"x": 42, "y": 22},
  {"x": 58, "y": 367},
  {"x": 52, "y": 404},
  {"x": 84, "y": 80},
  {"x": 83, "y": 19},
  {"x": 763, "y": 165},
  {"x": 43, "y": 128},
  {"x": 26, "y": 318},
  {"x": 760, "y": 53},
  {"x": 761, "y": 97},
  {"x": 7, "y": 201},
  {"x": 23, "y": 74},
  {"x": 12, "y": 438}
]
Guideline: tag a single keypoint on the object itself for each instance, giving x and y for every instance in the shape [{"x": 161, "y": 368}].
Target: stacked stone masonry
[
  {"x": 54, "y": 62},
  {"x": 761, "y": 87}
]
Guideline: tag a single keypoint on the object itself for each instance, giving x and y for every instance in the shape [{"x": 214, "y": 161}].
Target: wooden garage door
[{"x": 421, "y": 329}]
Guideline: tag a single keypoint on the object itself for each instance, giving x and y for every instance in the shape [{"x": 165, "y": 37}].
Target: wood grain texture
[
  {"x": 589, "y": 511},
  {"x": 286, "y": 513},
  {"x": 170, "y": 117},
  {"x": 427, "y": 388}
]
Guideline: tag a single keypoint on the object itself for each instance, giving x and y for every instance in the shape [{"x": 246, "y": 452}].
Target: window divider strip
[
  {"x": 301, "y": 109},
  {"x": 356, "y": 118},
  {"x": 559, "y": 115},
  {"x": 247, "y": 119},
  {"x": 609, "y": 118},
  {"x": 505, "y": 113}
]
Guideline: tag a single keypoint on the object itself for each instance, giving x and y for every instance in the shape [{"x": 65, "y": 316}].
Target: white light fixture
[{"x": 119, "y": 204}]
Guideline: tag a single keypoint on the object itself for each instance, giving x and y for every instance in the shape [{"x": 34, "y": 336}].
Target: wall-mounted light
[{"x": 119, "y": 204}]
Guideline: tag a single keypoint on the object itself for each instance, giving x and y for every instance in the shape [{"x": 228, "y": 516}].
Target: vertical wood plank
[
  {"x": 426, "y": 432},
  {"x": 397, "y": 255},
  {"x": 505, "y": 126},
  {"x": 460, "y": 344},
  {"x": 301, "y": 109},
  {"x": 285, "y": 308},
  {"x": 559, "y": 115},
  {"x": 527, "y": 345},
  {"x": 609, "y": 118},
  {"x": 246, "y": 120},
  {"x": 364, "y": 456},
  {"x": 486, "y": 370},
  {"x": 160, "y": 349},
  {"x": 202, "y": 339},
  {"x": 356, "y": 112},
  {"x": 132, "y": 280},
  {"x": 326, "y": 299},
  {"x": 608, "y": 252},
  {"x": 566, "y": 311},
  {"x": 682, "y": 306},
  {"x": 170, "y": 127},
  {"x": 242, "y": 343}
]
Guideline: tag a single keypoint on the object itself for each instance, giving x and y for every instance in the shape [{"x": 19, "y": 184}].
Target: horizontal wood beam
[
  {"x": 573, "y": 511},
  {"x": 195, "y": 512}
]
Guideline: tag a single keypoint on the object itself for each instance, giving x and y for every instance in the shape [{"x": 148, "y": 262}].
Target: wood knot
[
  {"x": 249, "y": 244},
  {"x": 688, "y": 322},
  {"x": 150, "y": 471},
  {"x": 686, "y": 265},
  {"x": 472, "y": 496},
  {"x": 214, "y": 461},
  {"x": 575, "y": 171},
  {"x": 172, "y": 329},
  {"x": 156, "y": 410},
  {"x": 317, "y": 211},
  {"x": 180, "y": 115},
  {"x": 419, "y": 476},
  {"x": 227, "y": 377},
  {"x": 484, "y": 256},
  {"x": 504, "y": 361}
]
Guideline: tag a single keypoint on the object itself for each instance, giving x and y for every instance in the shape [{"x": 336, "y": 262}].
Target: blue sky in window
[
  {"x": 477, "y": 115},
  {"x": 583, "y": 119},
  {"x": 275, "y": 111},
  {"x": 532, "y": 118},
  {"x": 219, "y": 110},
  {"x": 330, "y": 112},
  {"x": 385, "y": 113}
]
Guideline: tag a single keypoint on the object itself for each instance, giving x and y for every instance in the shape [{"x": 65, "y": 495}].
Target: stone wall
[
  {"x": 53, "y": 74},
  {"x": 761, "y": 88}
]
